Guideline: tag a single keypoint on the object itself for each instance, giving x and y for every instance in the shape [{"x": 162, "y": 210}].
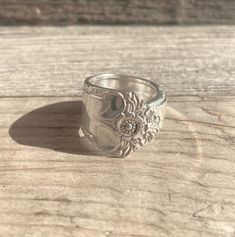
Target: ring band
[{"x": 121, "y": 113}]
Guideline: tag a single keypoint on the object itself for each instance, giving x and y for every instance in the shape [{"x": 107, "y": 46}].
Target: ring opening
[{"x": 145, "y": 89}]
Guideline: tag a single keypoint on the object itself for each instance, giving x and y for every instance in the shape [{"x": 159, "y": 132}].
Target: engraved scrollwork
[
  {"x": 137, "y": 124},
  {"x": 95, "y": 90}
]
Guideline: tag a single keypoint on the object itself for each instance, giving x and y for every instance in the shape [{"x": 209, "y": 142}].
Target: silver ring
[{"x": 121, "y": 113}]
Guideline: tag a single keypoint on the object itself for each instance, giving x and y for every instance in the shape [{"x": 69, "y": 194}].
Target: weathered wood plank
[
  {"x": 55, "y": 183},
  {"x": 59, "y": 12},
  {"x": 53, "y": 61},
  {"x": 51, "y": 183}
]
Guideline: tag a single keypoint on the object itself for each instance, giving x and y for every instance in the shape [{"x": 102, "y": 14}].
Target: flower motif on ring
[{"x": 137, "y": 124}]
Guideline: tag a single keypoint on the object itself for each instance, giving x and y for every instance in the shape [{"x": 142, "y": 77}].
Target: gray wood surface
[
  {"x": 55, "y": 183},
  {"x": 48, "y": 61},
  {"x": 60, "y": 12}
]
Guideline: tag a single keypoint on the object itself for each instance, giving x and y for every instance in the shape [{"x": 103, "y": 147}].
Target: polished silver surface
[{"x": 121, "y": 113}]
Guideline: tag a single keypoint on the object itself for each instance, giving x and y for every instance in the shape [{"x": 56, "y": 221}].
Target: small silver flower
[{"x": 137, "y": 124}]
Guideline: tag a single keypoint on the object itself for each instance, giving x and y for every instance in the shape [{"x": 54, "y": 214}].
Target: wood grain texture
[
  {"x": 48, "y": 61},
  {"x": 55, "y": 183},
  {"x": 182, "y": 184},
  {"x": 59, "y": 12}
]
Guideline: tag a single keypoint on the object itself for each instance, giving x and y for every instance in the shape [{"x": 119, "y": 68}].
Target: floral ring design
[
  {"x": 119, "y": 121},
  {"x": 137, "y": 124}
]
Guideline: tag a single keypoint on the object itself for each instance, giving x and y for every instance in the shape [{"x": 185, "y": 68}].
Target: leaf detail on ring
[{"x": 137, "y": 124}]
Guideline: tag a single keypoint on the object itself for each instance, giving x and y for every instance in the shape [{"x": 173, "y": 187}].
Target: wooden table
[{"x": 55, "y": 183}]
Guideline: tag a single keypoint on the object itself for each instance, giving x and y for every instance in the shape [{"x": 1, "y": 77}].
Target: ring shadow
[{"x": 55, "y": 126}]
